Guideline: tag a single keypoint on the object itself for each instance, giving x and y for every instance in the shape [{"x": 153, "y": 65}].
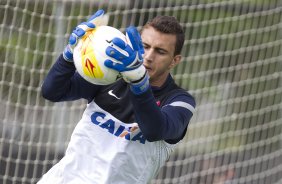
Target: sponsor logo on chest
[{"x": 130, "y": 133}]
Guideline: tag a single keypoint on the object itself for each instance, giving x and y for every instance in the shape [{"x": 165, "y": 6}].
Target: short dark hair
[{"x": 168, "y": 25}]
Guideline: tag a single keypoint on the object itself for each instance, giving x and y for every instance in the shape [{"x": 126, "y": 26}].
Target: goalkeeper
[{"x": 129, "y": 128}]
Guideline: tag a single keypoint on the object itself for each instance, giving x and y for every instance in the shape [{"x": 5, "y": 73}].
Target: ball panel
[{"x": 91, "y": 67}]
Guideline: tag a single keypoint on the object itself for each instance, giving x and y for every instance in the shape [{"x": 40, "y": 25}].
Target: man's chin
[{"x": 149, "y": 72}]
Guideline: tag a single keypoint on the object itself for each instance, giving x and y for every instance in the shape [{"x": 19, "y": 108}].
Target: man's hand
[
  {"x": 95, "y": 20},
  {"x": 128, "y": 60}
]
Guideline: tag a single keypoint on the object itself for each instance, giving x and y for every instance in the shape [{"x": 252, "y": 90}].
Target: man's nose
[{"x": 149, "y": 55}]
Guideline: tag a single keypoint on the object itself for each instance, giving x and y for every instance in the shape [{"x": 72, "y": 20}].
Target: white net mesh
[{"x": 232, "y": 65}]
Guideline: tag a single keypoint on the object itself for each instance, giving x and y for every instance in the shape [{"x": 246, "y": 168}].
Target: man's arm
[
  {"x": 62, "y": 83},
  {"x": 166, "y": 123}
]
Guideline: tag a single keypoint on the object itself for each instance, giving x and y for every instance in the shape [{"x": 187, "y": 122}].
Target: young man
[{"x": 130, "y": 127}]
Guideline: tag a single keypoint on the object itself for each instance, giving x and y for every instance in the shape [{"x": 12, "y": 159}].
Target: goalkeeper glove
[
  {"x": 95, "y": 20},
  {"x": 128, "y": 60}
]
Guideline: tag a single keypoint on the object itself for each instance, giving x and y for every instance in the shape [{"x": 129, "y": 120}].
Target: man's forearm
[
  {"x": 57, "y": 80},
  {"x": 156, "y": 123}
]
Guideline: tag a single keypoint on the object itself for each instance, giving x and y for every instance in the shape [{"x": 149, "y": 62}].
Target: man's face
[{"x": 159, "y": 54}]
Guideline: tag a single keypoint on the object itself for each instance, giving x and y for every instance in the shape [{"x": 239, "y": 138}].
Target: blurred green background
[{"x": 231, "y": 64}]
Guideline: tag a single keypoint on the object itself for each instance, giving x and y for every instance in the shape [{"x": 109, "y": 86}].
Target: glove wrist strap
[
  {"x": 67, "y": 54},
  {"x": 140, "y": 86}
]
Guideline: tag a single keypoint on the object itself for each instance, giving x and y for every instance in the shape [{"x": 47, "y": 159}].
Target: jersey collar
[{"x": 167, "y": 82}]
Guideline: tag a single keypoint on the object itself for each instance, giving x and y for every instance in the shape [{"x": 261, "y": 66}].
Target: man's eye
[
  {"x": 145, "y": 46},
  {"x": 161, "y": 52}
]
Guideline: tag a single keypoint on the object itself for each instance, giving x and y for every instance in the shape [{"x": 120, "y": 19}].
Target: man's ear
[{"x": 176, "y": 60}]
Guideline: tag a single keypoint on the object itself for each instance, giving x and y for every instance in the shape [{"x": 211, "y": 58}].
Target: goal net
[{"x": 232, "y": 64}]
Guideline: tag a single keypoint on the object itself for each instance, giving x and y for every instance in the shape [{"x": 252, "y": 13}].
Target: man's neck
[{"x": 159, "y": 82}]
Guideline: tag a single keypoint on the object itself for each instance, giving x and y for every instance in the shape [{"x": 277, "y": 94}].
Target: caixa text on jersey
[{"x": 131, "y": 133}]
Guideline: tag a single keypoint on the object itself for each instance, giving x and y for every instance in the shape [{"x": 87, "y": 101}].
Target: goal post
[{"x": 232, "y": 64}]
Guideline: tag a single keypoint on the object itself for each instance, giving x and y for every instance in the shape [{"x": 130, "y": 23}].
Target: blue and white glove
[
  {"x": 95, "y": 20},
  {"x": 128, "y": 60}
]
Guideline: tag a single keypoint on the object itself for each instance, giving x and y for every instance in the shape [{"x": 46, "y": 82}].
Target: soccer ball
[{"x": 89, "y": 55}]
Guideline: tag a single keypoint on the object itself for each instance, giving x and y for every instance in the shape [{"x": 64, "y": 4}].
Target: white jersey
[{"x": 104, "y": 150}]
